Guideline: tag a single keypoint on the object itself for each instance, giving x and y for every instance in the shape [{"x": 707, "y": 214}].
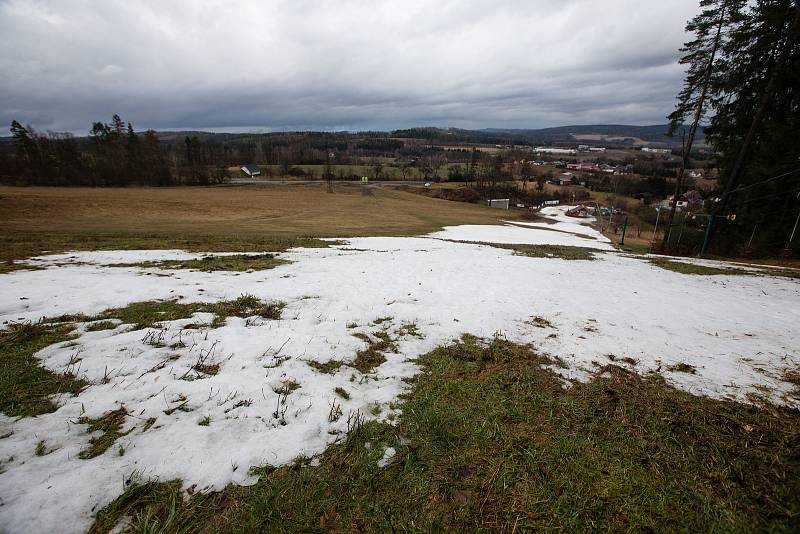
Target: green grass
[
  {"x": 9, "y": 265},
  {"x": 371, "y": 357},
  {"x": 150, "y": 314},
  {"x": 25, "y": 387},
  {"x": 234, "y": 262},
  {"x": 101, "y": 325},
  {"x": 287, "y": 387},
  {"x": 342, "y": 393},
  {"x": 367, "y": 359},
  {"x": 552, "y": 251},
  {"x": 110, "y": 427},
  {"x": 683, "y": 367},
  {"x": 563, "y": 252},
  {"x": 691, "y": 268},
  {"x": 330, "y": 367},
  {"x": 490, "y": 441}
]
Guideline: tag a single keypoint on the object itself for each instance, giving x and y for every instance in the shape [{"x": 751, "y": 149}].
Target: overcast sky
[{"x": 233, "y": 65}]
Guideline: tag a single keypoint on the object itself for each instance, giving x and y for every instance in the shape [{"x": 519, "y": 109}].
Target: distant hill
[
  {"x": 608, "y": 133},
  {"x": 611, "y": 135}
]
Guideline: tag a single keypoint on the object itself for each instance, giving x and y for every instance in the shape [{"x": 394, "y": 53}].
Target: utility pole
[
  {"x": 698, "y": 113},
  {"x": 655, "y": 229},
  {"x": 624, "y": 227},
  {"x": 328, "y": 172}
]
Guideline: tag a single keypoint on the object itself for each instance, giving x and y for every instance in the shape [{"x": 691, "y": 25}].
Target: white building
[
  {"x": 553, "y": 150},
  {"x": 251, "y": 170}
]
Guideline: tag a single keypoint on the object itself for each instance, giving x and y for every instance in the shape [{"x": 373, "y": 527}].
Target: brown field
[
  {"x": 37, "y": 219},
  {"x": 306, "y": 210}
]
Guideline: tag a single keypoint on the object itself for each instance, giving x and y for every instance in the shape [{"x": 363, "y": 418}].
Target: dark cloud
[{"x": 349, "y": 64}]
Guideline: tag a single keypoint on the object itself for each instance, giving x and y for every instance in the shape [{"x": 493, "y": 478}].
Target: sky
[{"x": 273, "y": 65}]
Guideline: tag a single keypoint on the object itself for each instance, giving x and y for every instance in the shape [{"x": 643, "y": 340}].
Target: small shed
[{"x": 251, "y": 170}]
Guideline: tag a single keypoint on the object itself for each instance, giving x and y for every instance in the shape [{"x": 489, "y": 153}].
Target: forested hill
[{"x": 654, "y": 133}]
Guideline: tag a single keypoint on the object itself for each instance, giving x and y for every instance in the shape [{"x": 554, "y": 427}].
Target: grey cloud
[{"x": 356, "y": 64}]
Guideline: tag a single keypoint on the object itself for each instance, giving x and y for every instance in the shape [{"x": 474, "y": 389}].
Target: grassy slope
[
  {"x": 489, "y": 440},
  {"x": 268, "y": 218}
]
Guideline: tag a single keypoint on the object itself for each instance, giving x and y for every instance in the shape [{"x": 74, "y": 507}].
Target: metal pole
[
  {"x": 624, "y": 227},
  {"x": 794, "y": 229},
  {"x": 750, "y": 243},
  {"x": 655, "y": 229},
  {"x": 791, "y": 238},
  {"x": 683, "y": 224}
]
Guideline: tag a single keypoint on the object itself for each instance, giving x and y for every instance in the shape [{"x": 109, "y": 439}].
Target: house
[
  {"x": 581, "y": 212},
  {"x": 681, "y": 204},
  {"x": 251, "y": 170},
  {"x": 610, "y": 169},
  {"x": 591, "y": 167}
]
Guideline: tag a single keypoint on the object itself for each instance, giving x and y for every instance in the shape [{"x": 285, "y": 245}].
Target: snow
[
  {"x": 388, "y": 454},
  {"x": 563, "y": 230},
  {"x": 739, "y": 331}
]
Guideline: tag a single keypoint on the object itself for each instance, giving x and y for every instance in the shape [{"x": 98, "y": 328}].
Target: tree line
[
  {"x": 743, "y": 69},
  {"x": 112, "y": 155}
]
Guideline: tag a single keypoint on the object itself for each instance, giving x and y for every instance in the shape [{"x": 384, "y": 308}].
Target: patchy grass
[
  {"x": 110, "y": 426},
  {"x": 409, "y": 329},
  {"x": 368, "y": 359},
  {"x": 287, "y": 387},
  {"x": 781, "y": 272},
  {"x": 329, "y": 367},
  {"x": 692, "y": 268},
  {"x": 539, "y": 322},
  {"x": 157, "y": 507},
  {"x": 25, "y": 387},
  {"x": 545, "y": 251},
  {"x": 101, "y": 325},
  {"x": 683, "y": 367},
  {"x": 342, "y": 393},
  {"x": 793, "y": 377},
  {"x": 489, "y": 440},
  {"x": 9, "y": 265},
  {"x": 234, "y": 262},
  {"x": 24, "y": 244},
  {"x": 563, "y": 252},
  {"x": 151, "y": 313},
  {"x": 205, "y": 421}
]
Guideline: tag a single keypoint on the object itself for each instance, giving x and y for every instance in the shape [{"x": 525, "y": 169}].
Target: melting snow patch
[
  {"x": 388, "y": 454},
  {"x": 204, "y": 404}
]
